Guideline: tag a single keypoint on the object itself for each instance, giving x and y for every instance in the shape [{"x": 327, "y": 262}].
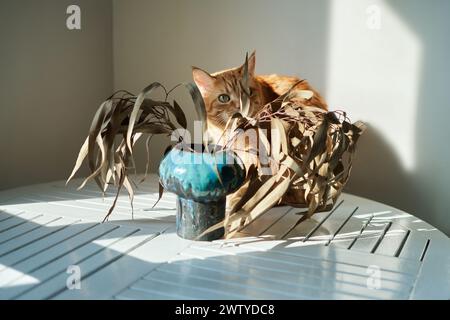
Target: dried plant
[{"x": 307, "y": 150}]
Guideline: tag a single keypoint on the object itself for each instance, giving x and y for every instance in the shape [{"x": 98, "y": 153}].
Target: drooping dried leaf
[
  {"x": 200, "y": 108},
  {"x": 137, "y": 105},
  {"x": 128, "y": 117},
  {"x": 179, "y": 115},
  {"x": 160, "y": 193},
  {"x": 245, "y": 95},
  {"x": 268, "y": 201},
  {"x": 81, "y": 156}
]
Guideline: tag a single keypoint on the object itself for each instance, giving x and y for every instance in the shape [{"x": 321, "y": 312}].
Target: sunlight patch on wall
[{"x": 374, "y": 68}]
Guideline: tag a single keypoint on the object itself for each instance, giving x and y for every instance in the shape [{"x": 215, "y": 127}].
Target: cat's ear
[
  {"x": 251, "y": 63},
  {"x": 203, "y": 80}
]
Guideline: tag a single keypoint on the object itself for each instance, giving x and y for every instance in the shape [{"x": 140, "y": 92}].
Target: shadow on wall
[
  {"x": 387, "y": 176},
  {"x": 424, "y": 190},
  {"x": 431, "y": 24}
]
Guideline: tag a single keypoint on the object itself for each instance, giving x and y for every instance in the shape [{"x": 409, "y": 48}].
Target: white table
[{"x": 360, "y": 250}]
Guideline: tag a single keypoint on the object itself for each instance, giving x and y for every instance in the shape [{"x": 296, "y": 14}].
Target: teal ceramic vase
[{"x": 201, "y": 180}]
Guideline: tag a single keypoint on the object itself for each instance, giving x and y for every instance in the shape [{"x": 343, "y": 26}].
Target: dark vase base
[{"x": 193, "y": 218}]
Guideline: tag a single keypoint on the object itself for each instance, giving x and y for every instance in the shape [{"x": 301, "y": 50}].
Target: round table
[{"x": 54, "y": 246}]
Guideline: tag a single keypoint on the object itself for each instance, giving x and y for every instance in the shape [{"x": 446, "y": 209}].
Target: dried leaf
[
  {"x": 293, "y": 165},
  {"x": 200, "y": 109},
  {"x": 268, "y": 201},
  {"x": 245, "y": 95},
  {"x": 262, "y": 191},
  {"x": 179, "y": 115},
  {"x": 127, "y": 185},
  {"x": 153, "y": 129},
  {"x": 81, "y": 156},
  {"x": 275, "y": 135},
  {"x": 134, "y": 113},
  {"x": 319, "y": 140},
  {"x": 160, "y": 193}
]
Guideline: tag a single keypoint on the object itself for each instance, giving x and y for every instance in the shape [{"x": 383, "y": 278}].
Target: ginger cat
[{"x": 220, "y": 91}]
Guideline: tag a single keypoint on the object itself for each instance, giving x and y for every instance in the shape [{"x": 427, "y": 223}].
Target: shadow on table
[
  {"x": 56, "y": 197},
  {"x": 34, "y": 264},
  {"x": 34, "y": 255}
]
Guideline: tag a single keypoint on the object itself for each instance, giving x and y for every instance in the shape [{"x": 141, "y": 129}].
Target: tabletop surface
[{"x": 51, "y": 236}]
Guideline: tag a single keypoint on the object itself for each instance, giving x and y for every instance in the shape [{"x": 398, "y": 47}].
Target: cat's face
[{"x": 221, "y": 91}]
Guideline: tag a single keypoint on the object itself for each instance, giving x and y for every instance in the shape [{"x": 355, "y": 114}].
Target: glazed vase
[{"x": 201, "y": 180}]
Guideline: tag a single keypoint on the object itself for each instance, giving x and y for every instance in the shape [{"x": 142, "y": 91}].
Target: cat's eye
[{"x": 224, "y": 98}]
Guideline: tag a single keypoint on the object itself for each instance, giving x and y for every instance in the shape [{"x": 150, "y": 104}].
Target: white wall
[
  {"x": 51, "y": 82},
  {"x": 393, "y": 78}
]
